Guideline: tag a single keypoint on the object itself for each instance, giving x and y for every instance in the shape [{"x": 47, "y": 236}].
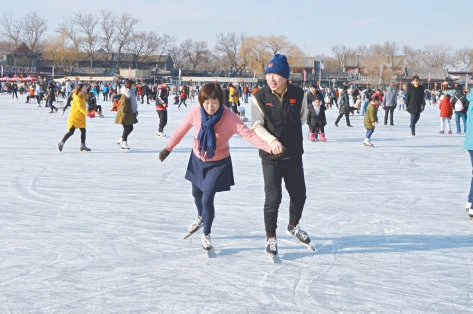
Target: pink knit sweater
[{"x": 228, "y": 125}]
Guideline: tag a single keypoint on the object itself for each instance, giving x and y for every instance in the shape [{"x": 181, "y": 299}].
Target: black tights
[
  {"x": 71, "y": 131},
  {"x": 126, "y": 131}
]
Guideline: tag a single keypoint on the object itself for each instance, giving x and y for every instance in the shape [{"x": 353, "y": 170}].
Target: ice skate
[
  {"x": 206, "y": 242},
  {"x": 299, "y": 234},
  {"x": 469, "y": 210},
  {"x": 271, "y": 246},
  {"x": 367, "y": 143},
  {"x": 60, "y": 145},
  {"x": 124, "y": 146},
  {"x": 84, "y": 148},
  {"x": 196, "y": 224}
]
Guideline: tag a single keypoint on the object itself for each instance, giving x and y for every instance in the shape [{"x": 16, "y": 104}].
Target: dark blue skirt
[{"x": 210, "y": 176}]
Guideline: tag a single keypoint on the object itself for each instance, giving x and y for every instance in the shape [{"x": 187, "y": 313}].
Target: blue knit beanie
[{"x": 278, "y": 65}]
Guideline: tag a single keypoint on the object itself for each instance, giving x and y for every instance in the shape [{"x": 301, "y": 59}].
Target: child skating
[
  {"x": 316, "y": 121},
  {"x": 371, "y": 119},
  {"x": 446, "y": 112}
]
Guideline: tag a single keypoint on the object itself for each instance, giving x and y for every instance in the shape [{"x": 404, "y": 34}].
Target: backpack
[{"x": 459, "y": 105}]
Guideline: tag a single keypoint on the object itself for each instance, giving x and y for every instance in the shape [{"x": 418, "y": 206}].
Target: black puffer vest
[{"x": 282, "y": 119}]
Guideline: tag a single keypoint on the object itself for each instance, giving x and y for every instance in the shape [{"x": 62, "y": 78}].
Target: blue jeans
[
  {"x": 470, "y": 194},
  {"x": 369, "y": 132},
  {"x": 458, "y": 116},
  {"x": 414, "y": 118},
  {"x": 364, "y": 105}
]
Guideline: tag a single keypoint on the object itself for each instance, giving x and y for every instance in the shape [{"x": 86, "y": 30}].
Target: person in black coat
[
  {"x": 344, "y": 107},
  {"x": 312, "y": 94},
  {"x": 51, "y": 97},
  {"x": 415, "y": 102}
]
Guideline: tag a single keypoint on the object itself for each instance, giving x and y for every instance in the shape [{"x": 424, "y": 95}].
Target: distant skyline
[{"x": 313, "y": 26}]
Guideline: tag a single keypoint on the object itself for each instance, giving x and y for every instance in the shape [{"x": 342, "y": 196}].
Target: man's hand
[{"x": 276, "y": 147}]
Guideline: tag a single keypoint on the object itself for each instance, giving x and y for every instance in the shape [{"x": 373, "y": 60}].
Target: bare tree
[
  {"x": 196, "y": 52},
  {"x": 12, "y": 29},
  {"x": 228, "y": 45},
  {"x": 257, "y": 54},
  {"x": 295, "y": 56},
  {"x": 125, "y": 27},
  {"x": 142, "y": 45},
  {"x": 435, "y": 56},
  {"x": 341, "y": 52},
  {"x": 164, "y": 43},
  {"x": 465, "y": 56},
  {"x": 56, "y": 52},
  {"x": 69, "y": 31},
  {"x": 388, "y": 49},
  {"x": 107, "y": 23},
  {"x": 245, "y": 57},
  {"x": 87, "y": 24},
  {"x": 277, "y": 44},
  {"x": 178, "y": 56},
  {"x": 34, "y": 29}
]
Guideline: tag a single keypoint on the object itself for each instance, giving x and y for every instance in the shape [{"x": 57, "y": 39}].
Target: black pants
[
  {"x": 389, "y": 111},
  {"x": 292, "y": 171},
  {"x": 235, "y": 108},
  {"x": 318, "y": 129},
  {"x": 71, "y": 131},
  {"x": 49, "y": 103},
  {"x": 347, "y": 118},
  {"x": 163, "y": 119},
  {"x": 183, "y": 102},
  {"x": 127, "y": 129}
]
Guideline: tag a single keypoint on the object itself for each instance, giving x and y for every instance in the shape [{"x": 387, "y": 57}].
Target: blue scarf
[{"x": 206, "y": 137}]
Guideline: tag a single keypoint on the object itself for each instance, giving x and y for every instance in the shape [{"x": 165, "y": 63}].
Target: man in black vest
[{"x": 278, "y": 113}]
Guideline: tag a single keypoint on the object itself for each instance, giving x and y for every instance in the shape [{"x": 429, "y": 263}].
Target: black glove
[{"x": 163, "y": 154}]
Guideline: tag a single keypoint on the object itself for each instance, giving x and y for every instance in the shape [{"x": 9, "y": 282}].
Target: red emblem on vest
[
  {"x": 292, "y": 101},
  {"x": 268, "y": 104}
]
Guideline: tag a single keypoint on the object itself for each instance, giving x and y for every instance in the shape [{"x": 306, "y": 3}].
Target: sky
[
  {"x": 314, "y": 26},
  {"x": 102, "y": 232}
]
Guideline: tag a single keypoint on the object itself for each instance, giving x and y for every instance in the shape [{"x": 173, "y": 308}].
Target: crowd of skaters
[{"x": 348, "y": 100}]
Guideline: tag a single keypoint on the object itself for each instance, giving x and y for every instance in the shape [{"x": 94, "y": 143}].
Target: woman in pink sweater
[{"x": 210, "y": 166}]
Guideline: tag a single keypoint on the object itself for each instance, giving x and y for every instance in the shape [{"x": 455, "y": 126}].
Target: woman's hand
[
  {"x": 163, "y": 154},
  {"x": 276, "y": 147}
]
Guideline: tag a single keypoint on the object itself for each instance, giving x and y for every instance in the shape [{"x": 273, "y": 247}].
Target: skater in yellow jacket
[{"x": 77, "y": 116}]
